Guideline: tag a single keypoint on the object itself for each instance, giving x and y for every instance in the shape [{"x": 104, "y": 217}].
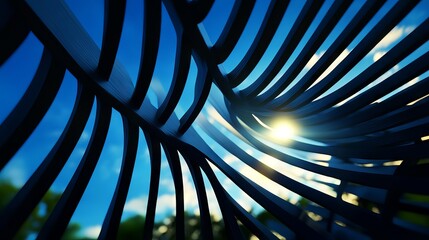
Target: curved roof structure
[{"x": 314, "y": 110}]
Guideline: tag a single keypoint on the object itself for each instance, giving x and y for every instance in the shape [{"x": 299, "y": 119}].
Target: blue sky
[{"x": 16, "y": 74}]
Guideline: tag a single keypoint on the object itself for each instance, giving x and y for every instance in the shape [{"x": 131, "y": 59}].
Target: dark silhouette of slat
[
  {"x": 201, "y": 93},
  {"x": 366, "y": 176},
  {"x": 408, "y": 45},
  {"x": 197, "y": 10},
  {"x": 112, "y": 220},
  {"x": 31, "y": 108},
  {"x": 150, "y": 45},
  {"x": 295, "y": 35},
  {"x": 359, "y": 21},
  {"x": 114, "y": 13},
  {"x": 13, "y": 30},
  {"x": 371, "y": 39},
  {"x": 155, "y": 168},
  {"x": 376, "y": 150},
  {"x": 20, "y": 207},
  {"x": 272, "y": 20},
  {"x": 58, "y": 220},
  {"x": 233, "y": 29},
  {"x": 176, "y": 172},
  {"x": 411, "y": 71},
  {"x": 181, "y": 70},
  {"x": 203, "y": 205}
]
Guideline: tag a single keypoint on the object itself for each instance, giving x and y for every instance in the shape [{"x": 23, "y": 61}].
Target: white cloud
[
  {"x": 409, "y": 29},
  {"x": 378, "y": 55},
  {"x": 136, "y": 205},
  {"x": 383, "y": 77},
  {"x": 319, "y": 157},
  {"x": 394, "y": 35},
  {"x": 230, "y": 159},
  {"x": 164, "y": 164},
  {"x": 313, "y": 60},
  {"x": 332, "y": 66},
  {"x": 92, "y": 232},
  {"x": 412, "y": 82},
  {"x": 167, "y": 183},
  {"x": 166, "y": 202}
]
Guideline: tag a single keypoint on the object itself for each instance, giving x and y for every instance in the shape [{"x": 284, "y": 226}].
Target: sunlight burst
[{"x": 283, "y": 129}]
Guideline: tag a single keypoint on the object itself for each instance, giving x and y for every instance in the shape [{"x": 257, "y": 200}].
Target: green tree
[{"x": 35, "y": 221}]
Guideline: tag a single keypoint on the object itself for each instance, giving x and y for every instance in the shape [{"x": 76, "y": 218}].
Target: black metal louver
[{"x": 377, "y": 149}]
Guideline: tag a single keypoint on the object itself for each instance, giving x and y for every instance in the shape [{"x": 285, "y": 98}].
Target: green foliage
[
  {"x": 39, "y": 215},
  {"x": 131, "y": 228}
]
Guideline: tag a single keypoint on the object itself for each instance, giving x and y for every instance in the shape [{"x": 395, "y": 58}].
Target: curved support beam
[
  {"x": 232, "y": 31},
  {"x": 31, "y": 108},
  {"x": 13, "y": 29},
  {"x": 150, "y": 45},
  {"x": 269, "y": 26},
  {"x": 59, "y": 218},
  {"x": 112, "y": 220},
  {"x": 114, "y": 13},
  {"x": 20, "y": 207}
]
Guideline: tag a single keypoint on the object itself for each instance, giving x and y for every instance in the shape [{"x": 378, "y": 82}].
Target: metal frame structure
[{"x": 362, "y": 137}]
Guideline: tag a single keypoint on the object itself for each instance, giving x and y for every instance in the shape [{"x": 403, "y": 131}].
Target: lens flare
[{"x": 284, "y": 130}]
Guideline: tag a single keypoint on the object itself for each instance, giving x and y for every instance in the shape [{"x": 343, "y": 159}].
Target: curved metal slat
[
  {"x": 176, "y": 172},
  {"x": 233, "y": 29},
  {"x": 113, "y": 217},
  {"x": 364, "y": 140},
  {"x": 181, "y": 70},
  {"x": 231, "y": 225},
  {"x": 394, "y": 16},
  {"x": 269, "y": 25},
  {"x": 405, "y": 47},
  {"x": 31, "y": 108},
  {"x": 197, "y": 10},
  {"x": 316, "y": 196},
  {"x": 295, "y": 35},
  {"x": 20, "y": 207},
  {"x": 365, "y": 176},
  {"x": 114, "y": 13},
  {"x": 13, "y": 30},
  {"x": 394, "y": 103},
  {"x": 272, "y": 203},
  {"x": 203, "y": 205},
  {"x": 155, "y": 163},
  {"x": 150, "y": 45},
  {"x": 384, "y": 88},
  {"x": 202, "y": 90},
  {"x": 357, "y": 23},
  {"x": 260, "y": 230},
  {"x": 58, "y": 220}
]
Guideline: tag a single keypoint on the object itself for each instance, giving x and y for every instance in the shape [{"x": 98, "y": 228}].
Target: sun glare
[{"x": 283, "y": 130}]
